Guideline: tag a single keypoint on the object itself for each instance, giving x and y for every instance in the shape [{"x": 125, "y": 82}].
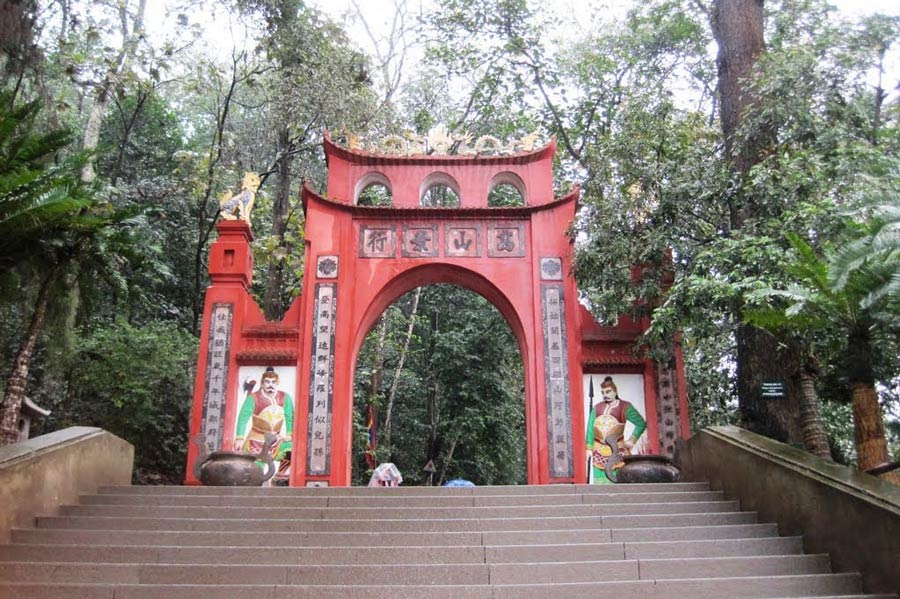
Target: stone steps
[
  {"x": 429, "y": 568},
  {"x": 407, "y": 491},
  {"x": 400, "y": 525},
  {"x": 646, "y": 541},
  {"x": 397, "y": 513},
  {"x": 329, "y": 554},
  {"x": 369, "y": 539},
  {"x": 823, "y": 586},
  {"x": 421, "y": 501}
]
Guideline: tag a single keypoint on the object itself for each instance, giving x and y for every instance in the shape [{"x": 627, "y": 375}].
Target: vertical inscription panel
[
  {"x": 216, "y": 376},
  {"x": 321, "y": 378},
  {"x": 556, "y": 368}
]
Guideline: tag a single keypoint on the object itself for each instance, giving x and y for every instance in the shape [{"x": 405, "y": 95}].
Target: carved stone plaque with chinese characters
[
  {"x": 420, "y": 241},
  {"x": 377, "y": 242},
  {"x": 462, "y": 241},
  {"x": 321, "y": 378},
  {"x": 506, "y": 240},
  {"x": 216, "y": 376},
  {"x": 556, "y": 367}
]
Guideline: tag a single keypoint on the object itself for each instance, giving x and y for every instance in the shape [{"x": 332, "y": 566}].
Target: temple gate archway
[{"x": 360, "y": 258}]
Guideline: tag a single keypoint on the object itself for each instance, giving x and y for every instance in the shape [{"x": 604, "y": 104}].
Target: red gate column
[{"x": 227, "y": 302}]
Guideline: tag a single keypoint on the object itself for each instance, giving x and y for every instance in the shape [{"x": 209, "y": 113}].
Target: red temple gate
[{"x": 360, "y": 259}]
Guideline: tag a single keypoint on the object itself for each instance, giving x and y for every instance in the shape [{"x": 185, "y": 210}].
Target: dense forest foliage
[{"x": 745, "y": 154}]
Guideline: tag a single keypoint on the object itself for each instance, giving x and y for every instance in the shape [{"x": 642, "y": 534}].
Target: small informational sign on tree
[{"x": 773, "y": 389}]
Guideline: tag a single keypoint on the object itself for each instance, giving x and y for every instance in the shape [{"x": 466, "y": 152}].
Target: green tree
[
  {"x": 313, "y": 80},
  {"x": 136, "y": 382}
]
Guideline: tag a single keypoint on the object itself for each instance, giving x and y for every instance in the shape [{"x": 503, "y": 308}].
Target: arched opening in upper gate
[
  {"x": 444, "y": 363},
  {"x": 373, "y": 189},
  {"x": 439, "y": 190}
]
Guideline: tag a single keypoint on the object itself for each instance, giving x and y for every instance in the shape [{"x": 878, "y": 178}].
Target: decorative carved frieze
[
  {"x": 551, "y": 269},
  {"x": 439, "y": 142},
  {"x": 327, "y": 267}
]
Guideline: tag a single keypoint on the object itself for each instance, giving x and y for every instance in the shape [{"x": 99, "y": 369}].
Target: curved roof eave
[{"x": 430, "y": 212}]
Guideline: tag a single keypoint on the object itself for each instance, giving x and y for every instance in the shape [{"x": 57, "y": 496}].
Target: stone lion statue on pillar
[{"x": 238, "y": 207}]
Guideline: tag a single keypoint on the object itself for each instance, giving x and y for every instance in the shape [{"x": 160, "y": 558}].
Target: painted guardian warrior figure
[
  {"x": 609, "y": 418},
  {"x": 267, "y": 410}
]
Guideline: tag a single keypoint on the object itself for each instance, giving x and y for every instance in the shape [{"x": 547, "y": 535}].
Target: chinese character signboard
[
  {"x": 506, "y": 240},
  {"x": 216, "y": 376},
  {"x": 377, "y": 242},
  {"x": 321, "y": 378},
  {"x": 556, "y": 373}
]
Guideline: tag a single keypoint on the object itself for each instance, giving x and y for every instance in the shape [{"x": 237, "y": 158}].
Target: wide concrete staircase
[{"x": 659, "y": 541}]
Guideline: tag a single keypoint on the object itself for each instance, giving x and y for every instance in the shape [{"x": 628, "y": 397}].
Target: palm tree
[
  {"x": 46, "y": 217},
  {"x": 852, "y": 307}
]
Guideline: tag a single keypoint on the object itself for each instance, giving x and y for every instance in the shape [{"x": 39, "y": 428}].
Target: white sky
[
  {"x": 574, "y": 16},
  {"x": 580, "y": 14},
  {"x": 571, "y": 16},
  {"x": 577, "y": 14}
]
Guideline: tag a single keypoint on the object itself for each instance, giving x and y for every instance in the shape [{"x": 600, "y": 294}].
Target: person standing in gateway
[{"x": 608, "y": 418}]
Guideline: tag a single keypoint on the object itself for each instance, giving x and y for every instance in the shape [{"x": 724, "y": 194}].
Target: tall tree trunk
[
  {"x": 868, "y": 420},
  {"x": 761, "y": 357},
  {"x": 814, "y": 438},
  {"x": 738, "y": 27},
  {"x": 273, "y": 301},
  {"x": 14, "y": 394},
  {"x": 378, "y": 366},
  {"x": 389, "y": 407},
  {"x": 128, "y": 127},
  {"x": 130, "y": 37},
  {"x": 868, "y": 427}
]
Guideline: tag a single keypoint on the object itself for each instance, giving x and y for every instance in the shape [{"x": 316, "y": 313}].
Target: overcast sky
[
  {"x": 577, "y": 13},
  {"x": 572, "y": 17}
]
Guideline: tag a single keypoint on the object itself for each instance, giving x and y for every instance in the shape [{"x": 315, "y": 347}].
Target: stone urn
[
  {"x": 235, "y": 469},
  {"x": 639, "y": 468}
]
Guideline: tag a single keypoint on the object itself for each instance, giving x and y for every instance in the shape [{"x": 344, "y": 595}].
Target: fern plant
[
  {"x": 39, "y": 194},
  {"x": 876, "y": 253}
]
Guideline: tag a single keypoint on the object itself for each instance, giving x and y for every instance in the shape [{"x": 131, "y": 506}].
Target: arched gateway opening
[
  {"x": 439, "y": 380},
  {"x": 359, "y": 258}
]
